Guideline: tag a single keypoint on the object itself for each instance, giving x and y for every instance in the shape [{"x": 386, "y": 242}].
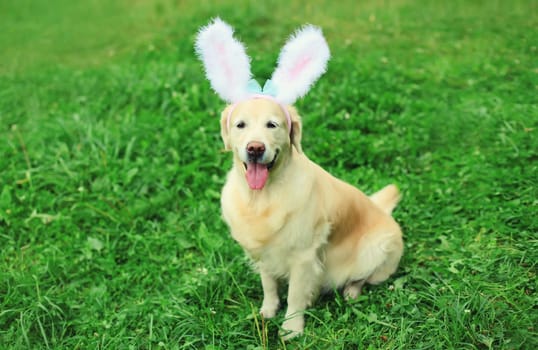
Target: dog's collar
[{"x": 264, "y": 96}]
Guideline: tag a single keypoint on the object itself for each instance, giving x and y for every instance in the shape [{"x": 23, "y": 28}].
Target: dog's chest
[
  {"x": 277, "y": 238},
  {"x": 254, "y": 227}
]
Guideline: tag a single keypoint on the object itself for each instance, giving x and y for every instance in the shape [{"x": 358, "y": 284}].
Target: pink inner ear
[
  {"x": 221, "y": 49},
  {"x": 299, "y": 67}
]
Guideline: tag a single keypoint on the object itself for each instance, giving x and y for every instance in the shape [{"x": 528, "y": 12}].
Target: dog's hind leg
[
  {"x": 393, "y": 249},
  {"x": 353, "y": 289}
]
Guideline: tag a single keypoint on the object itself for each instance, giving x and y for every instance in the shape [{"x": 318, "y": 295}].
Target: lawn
[{"x": 111, "y": 165}]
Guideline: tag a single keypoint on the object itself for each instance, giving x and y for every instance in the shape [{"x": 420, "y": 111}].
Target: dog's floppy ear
[
  {"x": 296, "y": 129},
  {"x": 302, "y": 61},
  {"x": 226, "y": 63},
  {"x": 224, "y": 132}
]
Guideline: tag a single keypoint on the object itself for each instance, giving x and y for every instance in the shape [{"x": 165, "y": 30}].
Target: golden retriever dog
[
  {"x": 293, "y": 219},
  {"x": 296, "y": 221}
]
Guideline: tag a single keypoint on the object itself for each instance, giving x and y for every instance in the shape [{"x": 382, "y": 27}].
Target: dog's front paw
[
  {"x": 292, "y": 327},
  {"x": 269, "y": 308}
]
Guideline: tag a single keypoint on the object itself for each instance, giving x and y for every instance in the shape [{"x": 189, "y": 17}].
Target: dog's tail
[{"x": 387, "y": 198}]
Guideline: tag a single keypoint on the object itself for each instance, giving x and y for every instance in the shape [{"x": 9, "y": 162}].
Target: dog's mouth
[{"x": 258, "y": 173}]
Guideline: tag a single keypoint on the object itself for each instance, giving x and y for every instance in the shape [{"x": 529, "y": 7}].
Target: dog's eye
[
  {"x": 240, "y": 125},
  {"x": 271, "y": 125}
]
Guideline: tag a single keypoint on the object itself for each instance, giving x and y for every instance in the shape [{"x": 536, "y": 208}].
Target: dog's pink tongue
[{"x": 257, "y": 175}]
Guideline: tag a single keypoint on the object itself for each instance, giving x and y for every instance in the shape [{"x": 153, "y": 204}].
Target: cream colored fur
[{"x": 305, "y": 226}]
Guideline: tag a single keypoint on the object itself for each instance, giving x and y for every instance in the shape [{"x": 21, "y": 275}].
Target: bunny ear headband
[{"x": 302, "y": 61}]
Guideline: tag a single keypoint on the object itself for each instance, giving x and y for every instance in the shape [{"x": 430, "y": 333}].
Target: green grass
[{"x": 111, "y": 167}]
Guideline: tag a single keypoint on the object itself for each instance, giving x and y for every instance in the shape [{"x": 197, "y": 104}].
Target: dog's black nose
[{"x": 255, "y": 150}]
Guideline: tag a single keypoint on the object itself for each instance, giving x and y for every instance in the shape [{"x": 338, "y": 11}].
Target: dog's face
[{"x": 258, "y": 135}]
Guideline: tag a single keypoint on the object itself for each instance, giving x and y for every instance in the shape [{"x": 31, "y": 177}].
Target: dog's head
[
  {"x": 259, "y": 126},
  {"x": 258, "y": 134}
]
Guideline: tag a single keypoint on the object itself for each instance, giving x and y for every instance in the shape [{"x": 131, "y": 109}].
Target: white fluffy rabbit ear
[
  {"x": 302, "y": 61},
  {"x": 226, "y": 63}
]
